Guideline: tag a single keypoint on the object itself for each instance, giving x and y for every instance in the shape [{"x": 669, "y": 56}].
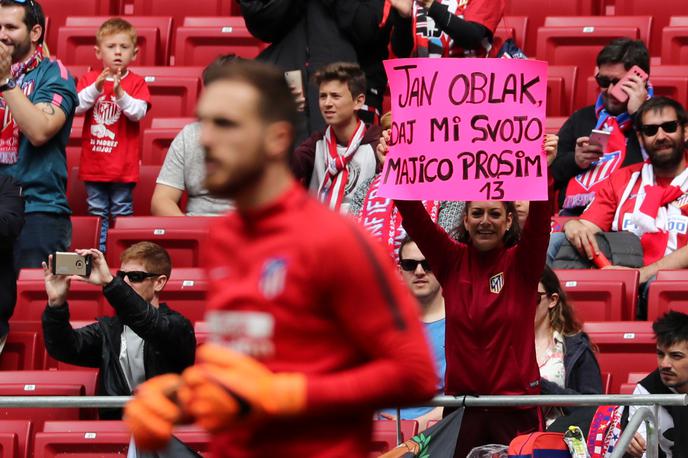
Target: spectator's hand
[
  {"x": 637, "y": 93},
  {"x": 226, "y": 386},
  {"x": 100, "y": 81},
  {"x": 550, "y": 144},
  {"x": 586, "y": 153},
  {"x": 100, "y": 272},
  {"x": 56, "y": 286},
  {"x": 5, "y": 62},
  {"x": 383, "y": 146},
  {"x": 299, "y": 98},
  {"x": 403, "y": 7},
  {"x": 637, "y": 446},
  {"x": 117, "y": 86},
  {"x": 152, "y": 413},
  {"x": 581, "y": 237},
  {"x": 425, "y": 3}
]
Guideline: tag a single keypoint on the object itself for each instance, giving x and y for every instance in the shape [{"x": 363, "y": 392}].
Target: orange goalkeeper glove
[
  {"x": 151, "y": 415},
  {"x": 226, "y": 387}
]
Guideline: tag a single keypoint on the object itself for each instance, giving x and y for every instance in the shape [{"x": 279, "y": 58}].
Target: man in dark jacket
[
  {"x": 145, "y": 338},
  {"x": 11, "y": 222}
]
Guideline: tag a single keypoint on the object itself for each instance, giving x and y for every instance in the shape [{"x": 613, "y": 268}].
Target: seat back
[
  {"x": 56, "y": 11},
  {"x": 15, "y": 438},
  {"x": 85, "y": 232},
  {"x": 561, "y": 85},
  {"x": 661, "y": 16},
  {"x": 82, "y": 438},
  {"x": 158, "y": 137},
  {"x": 674, "y": 48},
  {"x": 510, "y": 27},
  {"x": 666, "y": 295},
  {"x": 675, "y": 275},
  {"x": 385, "y": 434},
  {"x": 186, "y": 291}
]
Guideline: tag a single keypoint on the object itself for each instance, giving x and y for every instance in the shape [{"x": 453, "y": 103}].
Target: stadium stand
[
  {"x": 23, "y": 347},
  {"x": 675, "y": 41},
  {"x": 85, "y": 232},
  {"x": 385, "y": 434},
  {"x": 180, "y": 9},
  {"x": 158, "y": 137},
  {"x": 55, "y": 9},
  {"x": 666, "y": 295},
  {"x": 661, "y": 15},
  {"x": 15, "y": 438},
  {"x": 510, "y": 27},
  {"x": 74, "y": 143},
  {"x": 561, "y": 89}
]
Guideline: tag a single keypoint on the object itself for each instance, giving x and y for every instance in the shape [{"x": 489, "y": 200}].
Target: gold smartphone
[{"x": 67, "y": 263}]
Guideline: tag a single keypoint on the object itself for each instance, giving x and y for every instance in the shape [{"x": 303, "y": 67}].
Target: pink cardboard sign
[{"x": 466, "y": 129}]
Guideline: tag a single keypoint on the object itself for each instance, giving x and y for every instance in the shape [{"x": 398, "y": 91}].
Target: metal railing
[{"x": 643, "y": 414}]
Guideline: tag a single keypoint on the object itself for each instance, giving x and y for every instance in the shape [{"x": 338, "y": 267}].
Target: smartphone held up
[{"x": 68, "y": 263}]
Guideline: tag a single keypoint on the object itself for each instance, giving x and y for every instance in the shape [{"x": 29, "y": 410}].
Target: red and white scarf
[
  {"x": 331, "y": 191},
  {"x": 652, "y": 212},
  {"x": 9, "y": 130},
  {"x": 381, "y": 218}
]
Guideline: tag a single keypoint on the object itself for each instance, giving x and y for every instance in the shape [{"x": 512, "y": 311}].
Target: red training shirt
[{"x": 339, "y": 314}]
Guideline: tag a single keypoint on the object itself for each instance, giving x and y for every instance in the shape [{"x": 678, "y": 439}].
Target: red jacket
[
  {"x": 341, "y": 316},
  {"x": 489, "y": 334}
]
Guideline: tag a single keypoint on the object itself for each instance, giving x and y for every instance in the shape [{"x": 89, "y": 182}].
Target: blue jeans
[
  {"x": 106, "y": 200},
  {"x": 42, "y": 234},
  {"x": 556, "y": 240}
]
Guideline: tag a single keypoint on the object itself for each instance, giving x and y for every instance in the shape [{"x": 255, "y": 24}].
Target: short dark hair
[
  {"x": 219, "y": 61},
  {"x": 657, "y": 104},
  {"x": 671, "y": 328},
  {"x": 511, "y": 236},
  {"x": 627, "y": 52},
  {"x": 346, "y": 72},
  {"x": 33, "y": 14},
  {"x": 405, "y": 241},
  {"x": 275, "y": 100}
]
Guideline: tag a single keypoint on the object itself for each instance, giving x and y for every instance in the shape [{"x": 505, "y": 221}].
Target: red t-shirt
[
  {"x": 110, "y": 140},
  {"x": 304, "y": 289},
  {"x": 490, "y": 303}
]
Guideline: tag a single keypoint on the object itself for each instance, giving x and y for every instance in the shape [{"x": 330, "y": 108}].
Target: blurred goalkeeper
[{"x": 317, "y": 330}]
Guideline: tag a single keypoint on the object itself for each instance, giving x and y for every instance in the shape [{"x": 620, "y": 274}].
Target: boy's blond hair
[{"x": 116, "y": 25}]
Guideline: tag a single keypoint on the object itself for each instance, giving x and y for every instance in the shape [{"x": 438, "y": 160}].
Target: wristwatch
[{"x": 9, "y": 84}]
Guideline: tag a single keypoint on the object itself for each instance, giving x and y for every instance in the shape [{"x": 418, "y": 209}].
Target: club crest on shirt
[
  {"x": 497, "y": 283},
  {"x": 273, "y": 276}
]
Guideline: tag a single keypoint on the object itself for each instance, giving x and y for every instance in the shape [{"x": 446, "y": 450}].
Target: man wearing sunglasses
[
  {"x": 582, "y": 165},
  {"x": 418, "y": 275},
  {"x": 142, "y": 339},
  {"x": 649, "y": 199},
  {"x": 37, "y": 101}
]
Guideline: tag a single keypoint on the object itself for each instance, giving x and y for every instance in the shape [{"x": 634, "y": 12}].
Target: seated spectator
[
  {"x": 445, "y": 28},
  {"x": 418, "y": 275},
  {"x": 647, "y": 199},
  {"x": 143, "y": 339},
  {"x": 670, "y": 377},
  {"x": 184, "y": 171},
  {"x": 564, "y": 354},
  {"x": 581, "y": 167},
  {"x": 335, "y": 162},
  {"x": 11, "y": 222}
]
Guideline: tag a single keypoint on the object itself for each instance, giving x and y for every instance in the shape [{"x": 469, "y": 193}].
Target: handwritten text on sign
[{"x": 466, "y": 129}]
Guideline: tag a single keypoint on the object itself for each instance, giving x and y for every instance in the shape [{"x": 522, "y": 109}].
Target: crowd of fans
[{"x": 495, "y": 316}]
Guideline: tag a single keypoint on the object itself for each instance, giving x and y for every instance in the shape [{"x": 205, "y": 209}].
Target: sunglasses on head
[
  {"x": 650, "y": 130},
  {"x": 32, "y": 6},
  {"x": 604, "y": 81},
  {"x": 410, "y": 265},
  {"x": 136, "y": 276}
]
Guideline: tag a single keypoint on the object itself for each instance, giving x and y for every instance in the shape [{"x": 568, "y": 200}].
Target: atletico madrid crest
[{"x": 496, "y": 283}]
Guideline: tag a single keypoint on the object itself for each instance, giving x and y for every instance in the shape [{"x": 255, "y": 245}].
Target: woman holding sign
[{"x": 489, "y": 276}]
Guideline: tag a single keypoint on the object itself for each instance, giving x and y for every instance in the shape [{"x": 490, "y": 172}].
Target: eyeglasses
[
  {"x": 136, "y": 276},
  {"x": 604, "y": 81},
  {"x": 410, "y": 265},
  {"x": 539, "y": 298},
  {"x": 650, "y": 130}
]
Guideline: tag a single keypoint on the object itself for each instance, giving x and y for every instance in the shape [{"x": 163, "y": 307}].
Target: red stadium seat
[
  {"x": 624, "y": 347},
  {"x": 627, "y": 388},
  {"x": 77, "y": 38},
  {"x": 659, "y": 12},
  {"x": 158, "y": 137},
  {"x": 180, "y": 9},
  {"x": 667, "y": 80},
  {"x": 665, "y": 296},
  {"x": 143, "y": 192},
  {"x": 553, "y": 124},
  {"x": 22, "y": 348},
  {"x": 185, "y": 292},
  {"x": 606, "y": 382},
  {"x": 85, "y": 232},
  {"x": 513, "y": 27},
  {"x": 86, "y": 301},
  {"x": 58, "y": 13},
  {"x": 74, "y": 143},
  {"x": 635, "y": 377},
  {"x": 677, "y": 275},
  {"x": 200, "y": 40},
  {"x": 76, "y": 193},
  {"x": 578, "y": 40},
  {"x": 616, "y": 290},
  {"x": 385, "y": 434},
  {"x": 77, "y": 71},
  {"x": 537, "y": 10},
  {"x": 174, "y": 91},
  {"x": 675, "y": 42},
  {"x": 15, "y": 438},
  {"x": 561, "y": 85},
  {"x": 183, "y": 236}
]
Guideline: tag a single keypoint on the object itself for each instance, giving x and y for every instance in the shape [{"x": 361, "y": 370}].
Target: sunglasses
[
  {"x": 136, "y": 276},
  {"x": 650, "y": 130},
  {"x": 539, "y": 297},
  {"x": 604, "y": 81},
  {"x": 410, "y": 265}
]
